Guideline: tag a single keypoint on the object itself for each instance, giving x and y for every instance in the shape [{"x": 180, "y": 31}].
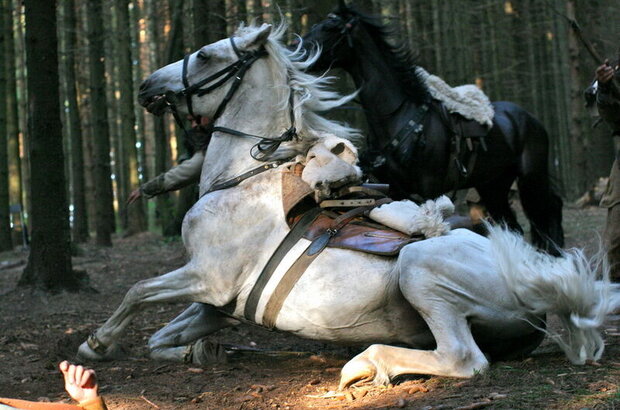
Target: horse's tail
[{"x": 570, "y": 286}]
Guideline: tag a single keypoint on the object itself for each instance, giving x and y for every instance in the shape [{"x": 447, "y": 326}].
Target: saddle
[{"x": 359, "y": 233}]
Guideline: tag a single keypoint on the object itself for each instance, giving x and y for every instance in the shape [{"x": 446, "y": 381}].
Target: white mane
[{"x": 312, "y": 95}]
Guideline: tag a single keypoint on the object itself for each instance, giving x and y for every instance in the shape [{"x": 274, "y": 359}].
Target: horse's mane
[
  {"x": 398, "y": 56},
  {"x": 313, "y": 95}
]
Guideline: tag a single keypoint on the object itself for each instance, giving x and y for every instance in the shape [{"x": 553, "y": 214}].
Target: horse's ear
[{"x": 258, "y": 37}]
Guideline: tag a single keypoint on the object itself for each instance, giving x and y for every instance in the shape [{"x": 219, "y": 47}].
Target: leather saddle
[{"x": 359, "y": 233}]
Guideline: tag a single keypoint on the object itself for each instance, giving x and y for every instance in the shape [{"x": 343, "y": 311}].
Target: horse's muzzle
[{"x": 157, "y": 104}]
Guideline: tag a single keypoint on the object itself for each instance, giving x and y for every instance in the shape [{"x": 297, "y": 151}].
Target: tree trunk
[
  {"x": 74, "y": 127},
  {"x": 257, "y": 10},
  {"x": 12, "y": 118},
  {"x": 174, "y": 52},
  {"x": 201, "y": 28},
  {"x": 104, "y": 217},
  {"x": 577, "y": 139},
  {"x": 6, "y": 242},
  {"x": 242, "y": 11},
  {"x": 137, "y": 55},
  {"x": 22, "y": 101},
  {"x": 164, "y": 204},
  {"x": 129, "y": 161},
  {"x": 49, "y": 262},
  {"x": 217, "y": 20}
]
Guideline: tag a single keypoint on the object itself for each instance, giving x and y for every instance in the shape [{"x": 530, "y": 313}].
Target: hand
[
  {"x": 604, "y": 73},
  {"x": 134, "y": 196},
  {"x": 80, "y": 383}
]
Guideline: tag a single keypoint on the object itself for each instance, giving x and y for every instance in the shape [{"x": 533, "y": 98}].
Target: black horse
[{"x": 420, "y": 149}]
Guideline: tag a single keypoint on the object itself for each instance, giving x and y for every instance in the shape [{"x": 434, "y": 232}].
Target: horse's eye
[{"x": 202, "y": 56}]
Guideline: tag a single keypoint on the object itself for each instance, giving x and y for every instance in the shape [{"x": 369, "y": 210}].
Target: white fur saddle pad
[
  {"x": 410, "y": 218},
  {"x": 466, "y": 100}
]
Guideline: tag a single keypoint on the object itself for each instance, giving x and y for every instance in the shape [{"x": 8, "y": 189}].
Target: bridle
[
  {"x": 235, "y": 71},
  {"x": 345, "y": 31}
]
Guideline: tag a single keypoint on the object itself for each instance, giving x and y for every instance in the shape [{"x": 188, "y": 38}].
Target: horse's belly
[{"x": 351, "y": 297}]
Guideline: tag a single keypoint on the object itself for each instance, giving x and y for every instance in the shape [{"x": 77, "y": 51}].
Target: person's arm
[
  {"x": 180, "y": 176},
  {"x": 608, "y": 105}
]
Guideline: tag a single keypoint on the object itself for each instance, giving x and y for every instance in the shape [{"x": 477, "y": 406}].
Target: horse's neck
[
  {"x": 378, "y": 81},
  {"x": 228, "y": 156}
]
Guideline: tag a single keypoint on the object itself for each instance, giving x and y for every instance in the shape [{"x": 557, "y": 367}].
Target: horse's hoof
[
  {"x": 206, "y": 352},
  {"x": 357, "y": 370},
  {"x": 112, "y": 353}
]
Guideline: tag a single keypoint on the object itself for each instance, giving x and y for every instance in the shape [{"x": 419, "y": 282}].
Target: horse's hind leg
[
  {"x": 179, "y": 340},
  {"x": 180, "y": 285},
  {"x": 456, "y": 354}
]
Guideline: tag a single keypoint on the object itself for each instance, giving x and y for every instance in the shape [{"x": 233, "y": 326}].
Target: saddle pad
[{"x": 361, "y": 236}]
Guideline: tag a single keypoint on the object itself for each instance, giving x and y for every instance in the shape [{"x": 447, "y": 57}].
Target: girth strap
[
  {"x": 293, "y": 236},
  {"x": 295, "y": 272}
]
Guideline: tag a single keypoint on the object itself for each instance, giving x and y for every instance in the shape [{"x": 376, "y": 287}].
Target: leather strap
[
  {"x": 346, "y": 203},
  {"x": 294, "y": 273},
  {"x": 294, "y": 235},
  {"x": 238, "y": 179},
  {"x": 286, "y": 284}
]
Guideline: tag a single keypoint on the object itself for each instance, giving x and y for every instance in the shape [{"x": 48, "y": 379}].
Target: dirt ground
[{"x": 37, "y": 331}]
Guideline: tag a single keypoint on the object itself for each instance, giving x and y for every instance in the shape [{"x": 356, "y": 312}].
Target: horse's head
[
  {"x": 334, "y": 36},
  {"x": 198, "y": 84}
]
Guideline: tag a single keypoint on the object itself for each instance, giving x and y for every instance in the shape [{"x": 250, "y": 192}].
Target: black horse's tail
[{"x": 541, "y": 203}]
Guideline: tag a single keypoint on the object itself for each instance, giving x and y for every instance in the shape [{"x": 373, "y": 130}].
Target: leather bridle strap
[
  {"x": 236, "y": 70},
  {"x": 267, "y": 145}
]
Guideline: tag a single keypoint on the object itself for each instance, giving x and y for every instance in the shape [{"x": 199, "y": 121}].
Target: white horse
[{"x": 449, "y": 300}]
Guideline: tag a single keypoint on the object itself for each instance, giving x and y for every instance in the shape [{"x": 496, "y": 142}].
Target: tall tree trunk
[
  {"x": 74, "y": 128},
  {"x": 257, "y": 10},
  {"x": 12, "y": 118},
  {"x": 49, "y": 262},
  {"x": 104, "y": 218},
  {"x": 135, "y": 22},
  {"x": 217, "y": 20},
  {"x": 22, "y": 102},
  {"x": 164, "y": 203},
  {"x": 129, "y": 161},
  {"x": 6, "y": 242},
  {"x": 174, "y": 52},
  {"x": 577, "y": 139},
  {"x": 201, "y": 27},
  {"x": 242, "y": 11}
]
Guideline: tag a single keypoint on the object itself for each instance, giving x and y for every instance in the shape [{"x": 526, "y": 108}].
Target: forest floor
[{"x": 37, "y": 331}]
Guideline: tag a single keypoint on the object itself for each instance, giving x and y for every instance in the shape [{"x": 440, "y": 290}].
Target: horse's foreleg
[
  {"x": 180, "y": 285},
  {"x": 177, "y": 340},
  {"x": 494, "y": 196}
]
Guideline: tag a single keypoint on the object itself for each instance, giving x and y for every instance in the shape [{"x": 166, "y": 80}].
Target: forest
[{"x": 67, "y": 170}]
